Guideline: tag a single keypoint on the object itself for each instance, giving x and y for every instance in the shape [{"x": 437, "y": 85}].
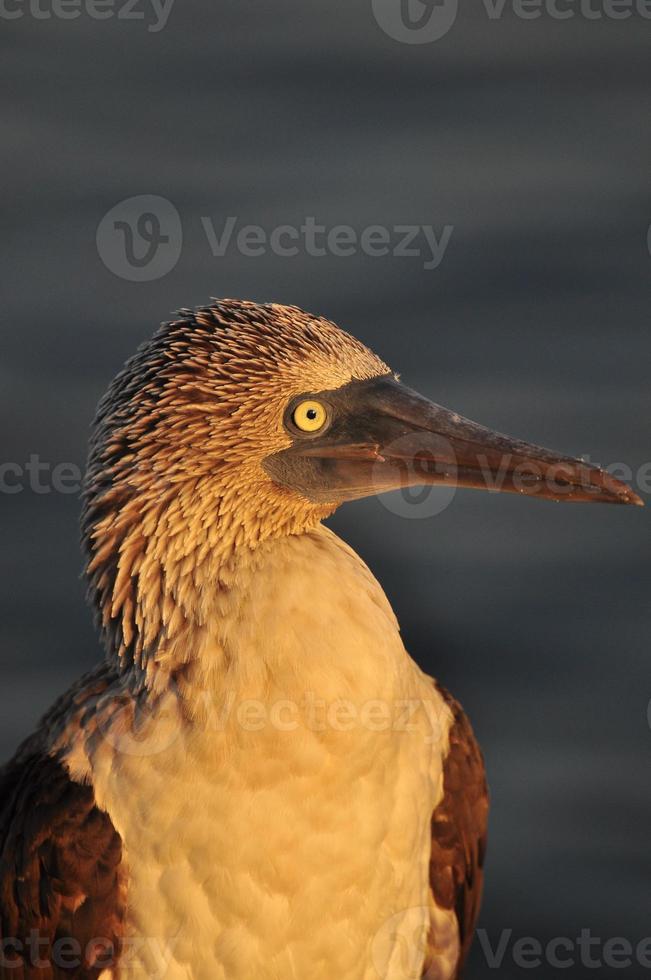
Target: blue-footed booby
[{"x": 258, "y": 783}]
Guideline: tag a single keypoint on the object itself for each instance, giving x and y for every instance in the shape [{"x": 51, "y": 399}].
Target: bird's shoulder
[
  {"x": 61, "y": 874},
  {"x": 458, "y": 835}
]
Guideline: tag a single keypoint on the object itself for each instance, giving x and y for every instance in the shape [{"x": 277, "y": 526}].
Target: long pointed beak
[{"x": 384, "y": 437}]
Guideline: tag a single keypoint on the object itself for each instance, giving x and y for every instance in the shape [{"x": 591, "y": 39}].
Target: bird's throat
[{"x": 160, "y": 566}]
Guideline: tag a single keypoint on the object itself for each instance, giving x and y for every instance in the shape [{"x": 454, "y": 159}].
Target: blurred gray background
[{"x": 531, "y": 138}]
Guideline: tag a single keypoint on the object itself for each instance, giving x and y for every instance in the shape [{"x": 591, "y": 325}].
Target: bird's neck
[
  {"x": 161, "y": 567},
  {"x": 302, "y": 617}
]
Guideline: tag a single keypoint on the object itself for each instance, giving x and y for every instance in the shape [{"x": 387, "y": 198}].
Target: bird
[{"x": 257, "y": 780}]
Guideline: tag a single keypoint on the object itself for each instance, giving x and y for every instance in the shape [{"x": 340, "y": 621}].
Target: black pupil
[{"x": 311, "y": 414}]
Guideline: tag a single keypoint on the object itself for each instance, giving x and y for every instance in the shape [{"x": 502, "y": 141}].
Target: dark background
[{"x": 531, "y": 138}]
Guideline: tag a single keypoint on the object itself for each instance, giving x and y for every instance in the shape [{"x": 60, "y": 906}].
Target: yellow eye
[{"x": 309, "y": 416}]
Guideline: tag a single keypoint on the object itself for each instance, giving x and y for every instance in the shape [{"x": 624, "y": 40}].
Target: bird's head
[{"x": 240, "y": 422}]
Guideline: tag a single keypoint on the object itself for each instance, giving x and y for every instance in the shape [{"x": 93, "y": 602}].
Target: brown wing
[
  {"x": 459, "y": 832},
  {"x": 61, "y": 901}
]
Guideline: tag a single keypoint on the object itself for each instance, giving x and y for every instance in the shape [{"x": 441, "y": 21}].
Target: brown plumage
[
  {"x": 62, "y": 900},
  {"x": 459, "y": 827}
]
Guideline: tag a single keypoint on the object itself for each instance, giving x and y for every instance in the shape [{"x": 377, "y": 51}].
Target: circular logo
[
  {"x": 140, "y": 239},
  {"x": 141, "y": 731},
  {"x": 400, "y": 945},
  {"x": 415, "y": 21},
  {"x": 417, "y": 498}
]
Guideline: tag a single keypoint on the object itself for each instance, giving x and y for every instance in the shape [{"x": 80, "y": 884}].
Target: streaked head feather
[{"x": 175, "y": 491}]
